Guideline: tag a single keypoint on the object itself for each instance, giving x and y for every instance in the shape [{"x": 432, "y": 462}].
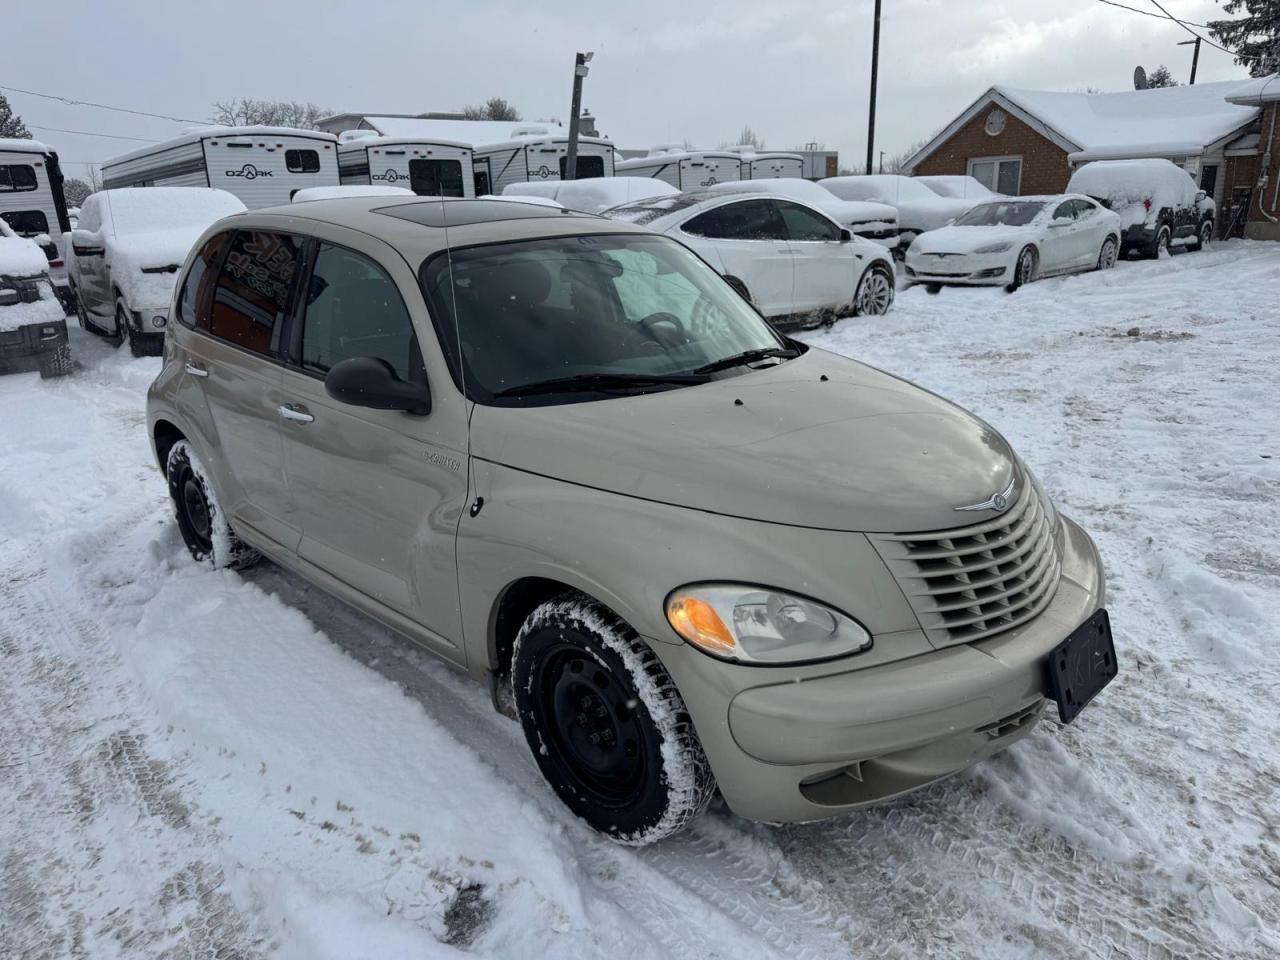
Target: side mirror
[
  {"x": 85, "y": 243},
  {"x": 1200, "y": 195},
  {"x": 846, "y": 235},
  {"x": 370, "y": 382}
]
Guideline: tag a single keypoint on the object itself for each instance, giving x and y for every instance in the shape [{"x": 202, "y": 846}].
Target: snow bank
[
  {"x": 349, "y": 190},
  {"x": 595, "y": 194},
  {"x": 1127, "y": 185},
  {"x": 20, "y": 257}
]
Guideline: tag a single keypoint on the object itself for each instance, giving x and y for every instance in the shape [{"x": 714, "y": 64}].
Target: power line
[
  {"x": 71, "y": 101},
  {"x": 1148, "y": 13},
  {"x": 1239, "y": 56},
  {"x": 86, "y": 133}
]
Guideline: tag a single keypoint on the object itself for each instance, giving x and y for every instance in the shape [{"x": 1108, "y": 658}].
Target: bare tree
[
  {"x": 247, "y": 112},
  {"x": 76, "y": 191},
  {"x": 1160, "y": 77},
  {"x": 495, "y": 108},
  {"x": 11, "y": 124},
  {"x": 897, "y": 162},
  {"x": 746, "y": 138}
]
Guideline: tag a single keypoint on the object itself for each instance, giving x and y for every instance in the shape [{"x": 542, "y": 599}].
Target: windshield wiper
[
  {"x": 747, "y": 356},
  {"x": 601, "y": 381}
]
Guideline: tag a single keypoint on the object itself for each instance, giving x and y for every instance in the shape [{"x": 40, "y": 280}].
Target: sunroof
[{"x": 457, "y": 213}]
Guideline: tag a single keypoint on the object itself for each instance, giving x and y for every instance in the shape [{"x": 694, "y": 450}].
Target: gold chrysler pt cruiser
[{"x": 688, "y": 553}]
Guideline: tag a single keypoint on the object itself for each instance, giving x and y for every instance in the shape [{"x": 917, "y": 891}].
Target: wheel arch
[
  {"x": 164, "y": 434},
  {"x": 511, "y": 608}
]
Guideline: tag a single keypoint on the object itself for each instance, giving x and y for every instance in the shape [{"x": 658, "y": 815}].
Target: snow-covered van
[
  {"x": 33, "y": 326},
  {"x": 537, "y": 153},
  {"x": 1158, "y": 203},
  {"x": 430, "y": 168},
  {"x": 764, "y": 165},
  {"x": 262, "y": 166},
  {"x": 684, "y": 169},
  {"x": 32, "y": 202}
]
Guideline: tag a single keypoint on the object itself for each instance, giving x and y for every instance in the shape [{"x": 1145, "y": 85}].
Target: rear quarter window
[{"x": 193, "y": 302}]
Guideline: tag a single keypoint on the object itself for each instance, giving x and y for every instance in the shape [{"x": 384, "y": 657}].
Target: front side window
[
  {"x": 514, "y": 314},
  {"x": 743, "y": 220},
  {"x": 17, "y": 177},
  {"x": 436, "y": 178},
  {"x": 27, "y": 223},
  {"x": 252, "y": 295},
  {"x": 302, "y": 161},
  {"x": 193, "y": 302},
  {"x": 355, "y": 310},
  {"x": 585, "y": 169},
  {"x": 805, "y": 224}
]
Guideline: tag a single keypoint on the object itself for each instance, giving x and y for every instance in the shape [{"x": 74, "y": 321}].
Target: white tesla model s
[{"x": 1015, "y": 240}]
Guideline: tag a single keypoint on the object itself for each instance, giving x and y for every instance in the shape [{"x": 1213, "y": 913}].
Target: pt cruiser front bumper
[{"x": 786, "y": 749}]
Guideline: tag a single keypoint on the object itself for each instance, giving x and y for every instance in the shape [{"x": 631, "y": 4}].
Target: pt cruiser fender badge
[{"x": 999, "y": 502}]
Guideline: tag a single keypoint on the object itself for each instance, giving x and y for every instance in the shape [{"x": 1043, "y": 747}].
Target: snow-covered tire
[
  {"x": 201, "y": 519},
  {"x": 1161, "y": 242},
  {"x": 1024, "y": 268},
  {"x": 605, "y": 723},
  {"x": 1109, "y": 253},
  {"x": 875, "y": 292},
  {"x": 1204, "y": 237},
  {"x": 57, "y": 364}
]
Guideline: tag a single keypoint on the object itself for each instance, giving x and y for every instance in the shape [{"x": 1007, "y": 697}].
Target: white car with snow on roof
[
  {"x": 33, "y": 328},
  {"x": 958, "y": 187},
  {"x": 126, "y": 253},
  {"x": 1158, "y": 203},
  {"x": 919, "y": 208},
  {"x": 865, "y": 218},
  {"x": 1012, "y": 241}
]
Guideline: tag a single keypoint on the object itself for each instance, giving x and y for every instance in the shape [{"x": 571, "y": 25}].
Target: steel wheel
[
  {"x": 1108, "y": 254},
  {"x": 875, "y": 293}
]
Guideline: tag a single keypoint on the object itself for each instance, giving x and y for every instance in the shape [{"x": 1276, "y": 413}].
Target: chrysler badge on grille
[{"x": 999, "y": 502}]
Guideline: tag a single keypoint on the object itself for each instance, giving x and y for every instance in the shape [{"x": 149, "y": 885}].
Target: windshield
[
  {"x": 1014, "y": 213},
  {"x": 614, "y": 305}
]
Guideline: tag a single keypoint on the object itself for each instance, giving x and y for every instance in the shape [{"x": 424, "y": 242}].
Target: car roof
[{"x": 424, "y": 226}]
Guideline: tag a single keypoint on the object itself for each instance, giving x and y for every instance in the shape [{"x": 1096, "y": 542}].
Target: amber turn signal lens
[{"x": 697, "y": 621}]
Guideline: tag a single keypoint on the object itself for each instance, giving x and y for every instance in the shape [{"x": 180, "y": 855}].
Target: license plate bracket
[{"x": 1082, "y": 665}]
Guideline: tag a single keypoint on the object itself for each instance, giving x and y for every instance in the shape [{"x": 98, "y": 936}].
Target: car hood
[
  {"x": 155, "y": 248},
  {"x": 932, "y": 213},
  {"x": 859, "y": 451},
  {"x": 967, "y": 239},
  {"x": 859, "y": 212}
]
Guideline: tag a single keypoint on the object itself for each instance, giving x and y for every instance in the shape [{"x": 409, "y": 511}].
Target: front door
[
  {"x": 1063, "y": 244},
  {"x": 749, "y": 239},
  {"x": 378, "y": 492},
  {"x": 824, "y": 267}
]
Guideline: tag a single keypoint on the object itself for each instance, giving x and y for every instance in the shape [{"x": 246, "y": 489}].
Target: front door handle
[
  {"x": 196, "y": 370},
  {"x": 295, "y": 412}
]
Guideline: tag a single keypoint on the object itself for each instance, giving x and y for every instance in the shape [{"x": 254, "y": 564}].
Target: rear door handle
[
  {"x": 196, "y": 370},
  {"x": 295, "y": 412}
]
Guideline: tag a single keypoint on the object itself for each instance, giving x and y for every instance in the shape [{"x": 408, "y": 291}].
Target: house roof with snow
[
  {"x": 1262, "y": 90},
  {"x": 1168, "y": 122}
]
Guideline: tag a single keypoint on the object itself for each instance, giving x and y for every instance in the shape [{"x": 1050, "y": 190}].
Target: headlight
[
  {"x": 995, "y": 247},
  {"x": 757, "y": 625}
]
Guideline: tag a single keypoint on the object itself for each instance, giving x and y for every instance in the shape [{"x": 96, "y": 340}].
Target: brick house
[
  {"x": 1029, "y": 141},
  {"x": 1253, "y": 162}
]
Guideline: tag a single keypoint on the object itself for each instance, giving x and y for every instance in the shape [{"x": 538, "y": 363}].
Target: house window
[{"x": 1001, "y": 174}]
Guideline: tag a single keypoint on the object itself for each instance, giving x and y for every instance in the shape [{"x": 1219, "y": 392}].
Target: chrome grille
[{"x": 972, "y": 582}]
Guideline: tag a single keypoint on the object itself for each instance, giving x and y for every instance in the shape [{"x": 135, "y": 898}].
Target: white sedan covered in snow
[
  {"x": 795, "y": 264},
  {"x": 919, "y": 208},
  {"x": 1015, "y": 240},
  {"x": 866, "y": 218}
]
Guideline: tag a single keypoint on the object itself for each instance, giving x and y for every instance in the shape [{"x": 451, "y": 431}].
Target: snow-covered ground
[{"x": 203, "y": 764}]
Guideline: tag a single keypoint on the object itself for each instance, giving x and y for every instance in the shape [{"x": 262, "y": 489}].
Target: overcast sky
[{"x": 663, "y": 70}]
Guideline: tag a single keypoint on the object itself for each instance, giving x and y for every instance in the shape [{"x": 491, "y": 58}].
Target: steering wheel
[{"x": 665, "y": 320}]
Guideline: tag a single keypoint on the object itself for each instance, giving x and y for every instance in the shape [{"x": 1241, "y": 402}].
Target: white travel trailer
[
  {"x": 430, "y": 168},
  {"x": 684, "y": 169},
  {"x": 767, "y": 165},
  {"x": 262, "y": 166},
  {"x": 505, "y": 152},
  {"x": 32, "y": 202}
]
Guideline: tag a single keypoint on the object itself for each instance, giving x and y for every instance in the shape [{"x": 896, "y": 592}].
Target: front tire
[
  {"x": 201, "y": 519},
  {"x": 57, "y": 364},
  {"x": 875, "y": 292},
  {"x": 1108, "y": 255},
  {"x": 124, "y": 332},
  {"x": 605, "y": 723},
  {"x": 1024, "y": 268}
]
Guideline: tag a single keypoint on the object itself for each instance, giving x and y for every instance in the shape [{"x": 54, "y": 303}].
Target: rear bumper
[
  {"x": 25, "y": 347},
  {"x": 788, "y": 750}
]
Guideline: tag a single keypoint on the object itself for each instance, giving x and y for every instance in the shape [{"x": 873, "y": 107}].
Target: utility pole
[
  {"x": 882, "y": 161},
  {"x": 1195, "y": 58},
  {"x": 875, "y": 69},
  {"x": 571, "y": 157}
]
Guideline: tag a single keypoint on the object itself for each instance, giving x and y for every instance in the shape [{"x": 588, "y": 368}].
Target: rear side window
[
  {"x": 436, "y": 178},
  {"x": 252, "y": 293},
  {"x": 17, "y": 177},
  {"x": 804, "y": 224},
  {"x": 302, "y": 161},
  {"x": 585, "y": 169},
  {"x": 355, "y": 310},
  {"x": 193, "y": 302},
  {"x": 745, "y": 220},
  {"x": 26, "y": 223}
]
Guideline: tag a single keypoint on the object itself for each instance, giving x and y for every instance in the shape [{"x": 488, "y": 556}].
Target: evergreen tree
[
  {"x": 76, "y": 191},
  {"x": 1160, "y": 77},
  {"x": 11, "y": 124},
  {"x": 1255, "y": 37}
]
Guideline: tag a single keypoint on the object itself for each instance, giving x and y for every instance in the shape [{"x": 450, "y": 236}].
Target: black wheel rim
[
  {"x": 197, "y": 516},
  {"x": 589, "y": 719}
]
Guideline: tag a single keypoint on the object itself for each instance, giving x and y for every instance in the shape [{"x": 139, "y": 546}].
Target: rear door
[
  {"x": 751, "y": 242},
  {"x": 236, "y": 361},
  {"x": 824, "y": 267},
  {"x": 378, "y": 493}
]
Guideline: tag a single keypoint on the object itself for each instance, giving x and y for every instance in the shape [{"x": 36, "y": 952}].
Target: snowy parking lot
[{"x": 199, "y": 763}]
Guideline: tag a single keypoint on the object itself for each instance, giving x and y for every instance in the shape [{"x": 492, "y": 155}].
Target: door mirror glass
[
  {"x": 846, "y": 235},
  {"x": 370, "y": 382},
  {"x": 85, "y": 243}
]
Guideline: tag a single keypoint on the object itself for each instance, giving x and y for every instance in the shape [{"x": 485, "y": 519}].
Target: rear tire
[
  {"x": 875, "y": 292},
  {"x": 1024, "y": 268},
  {"x": 57, "y": 364},
  {"x": 1204, "y": 237},
  {"x": 1161, "y": 242},
  {"x": 201, "y": 519},
  {"x": 605, "y": 723},
  {"x": 1109, "y": 253}
]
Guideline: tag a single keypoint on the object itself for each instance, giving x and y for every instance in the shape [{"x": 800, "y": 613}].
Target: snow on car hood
[
  {"x": 850, "y": 213},
  {"x": 955, "y": 239},
  {"x": 45, "y": 310},
  {"x": 130, "y": 254},
  {"x": 931, "y": 214},
  {"x": 862, "y": 451},
  {"x": 20, "y": 257}
]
